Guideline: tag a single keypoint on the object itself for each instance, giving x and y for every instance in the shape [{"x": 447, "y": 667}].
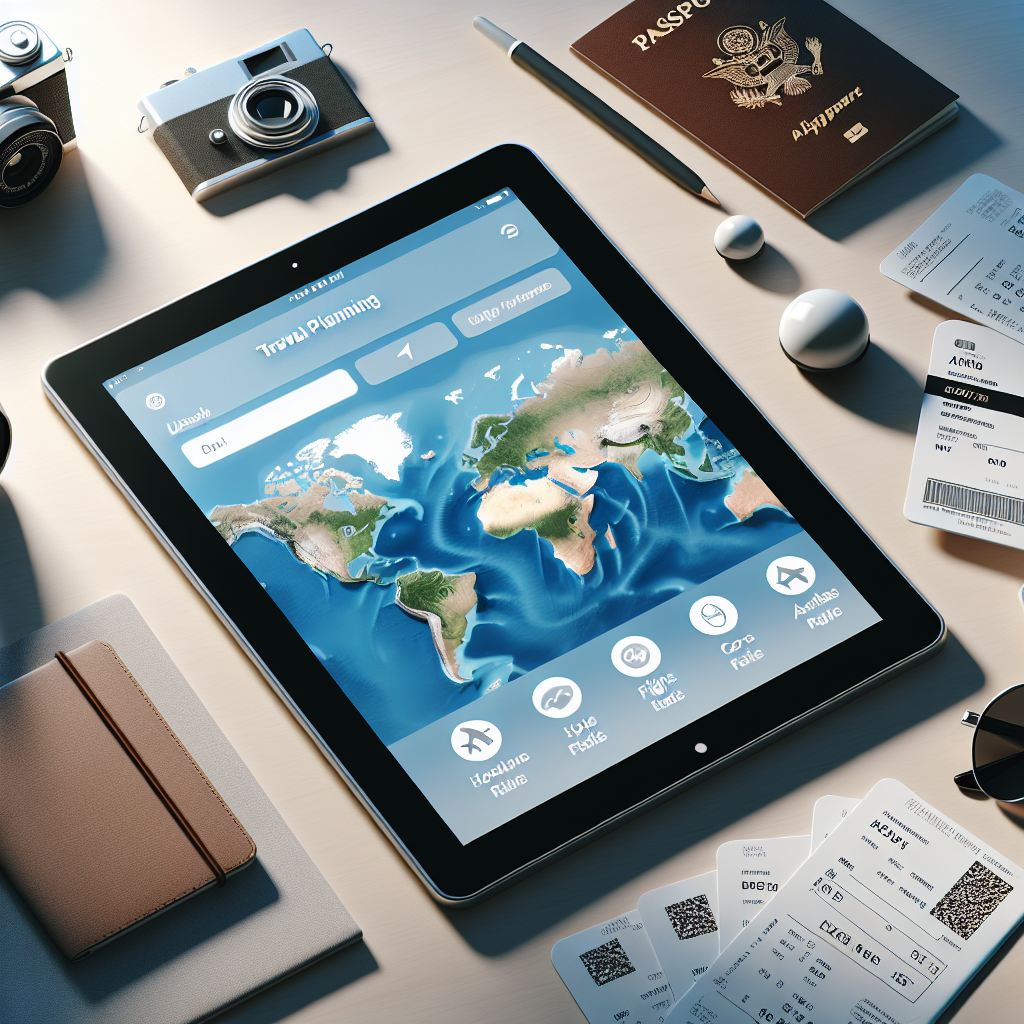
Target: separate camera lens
[
  {"x": 23, "y": 168},
  {"x": 274, "y": 112},
  {"x": 999, "y": 747},
  {"x": 30, "y": 153}
]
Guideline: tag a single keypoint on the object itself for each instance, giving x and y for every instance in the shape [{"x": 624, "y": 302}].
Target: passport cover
[
  {"x": 276, "y": 917},
  {"x": 105, "y": 817},
  {"x": 790, "y": 92}
]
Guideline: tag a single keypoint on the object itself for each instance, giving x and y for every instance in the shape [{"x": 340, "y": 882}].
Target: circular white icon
[
  {"x": 557, "y": 697},
  {"x": 636, "y": 656},
  {"x": 790, "y": 575},
  {"x": 155, "y": 401},
  {"x": 510, "y": 231},
  {"x": 713, "y": 615},
  {"x": 476, "y": 740}
]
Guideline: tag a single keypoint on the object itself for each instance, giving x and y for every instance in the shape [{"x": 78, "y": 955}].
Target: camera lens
[
  {"x": 273, "y": 113},
  {"x": 30, "y": 152},
  {"x": 273, "y": 108}
]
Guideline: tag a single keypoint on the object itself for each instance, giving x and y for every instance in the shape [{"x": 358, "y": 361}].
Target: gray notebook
[{"x": 270, "y": 920}]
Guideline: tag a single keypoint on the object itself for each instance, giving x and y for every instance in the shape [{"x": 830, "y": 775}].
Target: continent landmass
[
  {"x": 330, "y": 540},
  {"x": 591, "y": 410},
  {"x": 443, "y": 602},
  {"x": 750, "y": 494}
]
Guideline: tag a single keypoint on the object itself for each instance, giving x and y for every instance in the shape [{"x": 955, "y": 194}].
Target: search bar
[{"x": 269, "y": 418}]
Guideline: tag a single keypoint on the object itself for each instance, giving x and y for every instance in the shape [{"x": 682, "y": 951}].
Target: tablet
[{"x": 512, "y": 546}]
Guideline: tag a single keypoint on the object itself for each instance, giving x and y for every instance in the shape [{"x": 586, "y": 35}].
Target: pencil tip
[{"x": 705, "y": 193}]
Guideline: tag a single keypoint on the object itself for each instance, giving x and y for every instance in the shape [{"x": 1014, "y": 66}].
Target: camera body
[
  {"x": 249, "y": 115},
  {"x": 36, "y": 126}
]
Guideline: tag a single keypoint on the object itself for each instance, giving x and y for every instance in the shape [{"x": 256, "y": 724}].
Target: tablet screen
[{"x": 514, "y": 540}]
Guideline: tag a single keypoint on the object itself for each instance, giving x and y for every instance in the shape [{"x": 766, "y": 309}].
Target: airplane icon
[
  {"x": 476, "y": 740},
  {"x": 790, "y": 575},
  {"x": 407, "y": 351},
  {"x": 473, "y": 736},
  {"x": 787, "y": 575}
]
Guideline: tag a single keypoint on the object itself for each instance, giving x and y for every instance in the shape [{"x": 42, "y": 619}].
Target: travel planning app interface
[{"x": 511, "y": 536}]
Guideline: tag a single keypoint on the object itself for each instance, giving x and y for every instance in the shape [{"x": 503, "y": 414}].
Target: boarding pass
[
  {"x": 969, "y": 255},
  {"x": 968, "y": 471},
  {"x": 883, "y": 924}
]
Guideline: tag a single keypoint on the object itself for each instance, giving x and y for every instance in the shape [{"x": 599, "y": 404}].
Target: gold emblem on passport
[{"x": 764, "y": 61}]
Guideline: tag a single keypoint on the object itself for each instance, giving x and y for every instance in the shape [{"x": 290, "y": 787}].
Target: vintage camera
[
  {"x": 36, "y": 128},
  {"x": 253, "y": 113}
]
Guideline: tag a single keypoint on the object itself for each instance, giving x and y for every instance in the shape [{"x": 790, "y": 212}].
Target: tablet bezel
[{"x": 461, "y": 874}]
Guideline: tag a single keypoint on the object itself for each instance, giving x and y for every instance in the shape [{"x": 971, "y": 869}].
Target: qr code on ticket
[
  {"x": 607, "y": 963},
  {"x": 967, "y": 905},
  {"x": 692, "y": 917}
]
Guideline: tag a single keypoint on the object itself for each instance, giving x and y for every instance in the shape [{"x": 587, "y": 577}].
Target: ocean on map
[{"x": 669, "y": 533}]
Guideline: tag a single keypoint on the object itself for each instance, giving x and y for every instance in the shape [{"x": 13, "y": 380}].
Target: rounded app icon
[
  {"x": 155, "y": 401},
  {"x": 713, "y": 615},
  {"x": 790, "y": 575},
  {"x": 557, "y": 697},
  {"x": 636, "y": 656},
  {"x": 476, "y": 740}
]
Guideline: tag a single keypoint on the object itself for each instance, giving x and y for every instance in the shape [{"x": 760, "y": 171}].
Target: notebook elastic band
[{"x": 148, "y": 774}]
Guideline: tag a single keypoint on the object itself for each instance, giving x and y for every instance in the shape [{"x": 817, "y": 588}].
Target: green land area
[{"x": 330, "y": 540}]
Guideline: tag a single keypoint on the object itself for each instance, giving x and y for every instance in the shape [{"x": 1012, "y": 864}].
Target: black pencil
[{"x": 612, "y": 121}]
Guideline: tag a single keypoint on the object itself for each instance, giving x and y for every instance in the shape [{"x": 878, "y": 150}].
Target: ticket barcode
[{"x": 971, "y": 499}]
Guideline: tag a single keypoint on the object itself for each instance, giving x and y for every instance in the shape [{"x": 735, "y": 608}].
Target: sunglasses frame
[{"x": 968, "y": 780}]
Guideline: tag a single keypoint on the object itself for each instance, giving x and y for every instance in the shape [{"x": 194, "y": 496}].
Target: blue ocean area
[{"x": 669, "y": 533}]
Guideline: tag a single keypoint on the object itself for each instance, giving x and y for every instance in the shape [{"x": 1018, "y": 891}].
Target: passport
[{"x": 791, "y": 92}]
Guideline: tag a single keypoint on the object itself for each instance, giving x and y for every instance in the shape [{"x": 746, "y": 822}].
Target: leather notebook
[
  {"x": 793, "y": 94},
  {"x": 105, "y": 818}
]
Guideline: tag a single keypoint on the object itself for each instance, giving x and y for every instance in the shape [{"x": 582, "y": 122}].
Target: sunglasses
[{"x": 997, "y": 751}]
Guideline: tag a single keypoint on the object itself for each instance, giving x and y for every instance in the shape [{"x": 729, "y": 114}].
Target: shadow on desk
[
  {"x": 304, "y": 988},
  {"x": 945, "y": 155},
  {"x": 553, "y": 894},
  {"x": 770, "y": 271},
  {"x": 20, "y": 612},
  {"x": 878, "y": 388},
  {"x": 304, "y": 180},
  {"x": 55, "y": 244}
]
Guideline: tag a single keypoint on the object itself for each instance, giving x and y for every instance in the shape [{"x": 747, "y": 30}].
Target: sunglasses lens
[{"x": 999, "y": 747}]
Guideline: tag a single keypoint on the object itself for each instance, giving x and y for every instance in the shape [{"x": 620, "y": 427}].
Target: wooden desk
[{"x": 116, "y": 235}]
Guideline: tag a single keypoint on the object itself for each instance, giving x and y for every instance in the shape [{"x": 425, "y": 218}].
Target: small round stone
[
  {"x": 824, "y": 330},
  {"x": 739, "y": 239}
]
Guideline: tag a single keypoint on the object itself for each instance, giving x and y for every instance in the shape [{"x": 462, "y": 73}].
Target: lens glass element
[
  {"x": 273, "y": 107},
  {"x": 24, "y": 167},
  {"x": 999, "y": 747},
  {"x": 27, "y": 165},
  {"x": 273, "y": 112}
]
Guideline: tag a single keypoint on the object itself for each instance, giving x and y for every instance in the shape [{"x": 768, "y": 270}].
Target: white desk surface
[{"x": 117, "y": 235}]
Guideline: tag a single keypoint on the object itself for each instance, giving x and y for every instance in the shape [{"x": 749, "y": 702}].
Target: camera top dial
[{"x": 19, "y": 42}]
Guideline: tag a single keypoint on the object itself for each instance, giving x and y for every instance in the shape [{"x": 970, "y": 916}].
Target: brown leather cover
[
  {"x": 773, "y": 109},
  {"x": 88, "y": 842}
]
